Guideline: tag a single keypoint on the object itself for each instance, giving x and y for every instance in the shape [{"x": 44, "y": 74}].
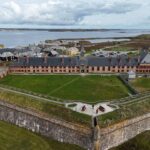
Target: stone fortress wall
[
  {"x": 60, "y": 130},
  {"x": 121, "y": 132}
]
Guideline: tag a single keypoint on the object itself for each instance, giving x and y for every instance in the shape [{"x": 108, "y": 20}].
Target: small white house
[
  {"x": 54, "y": 53},
  {"x": 131, "y": 75}
]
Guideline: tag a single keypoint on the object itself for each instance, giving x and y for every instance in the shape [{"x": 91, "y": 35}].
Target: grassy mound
[
  {"x": 48, "y": 108},
  {"x": 141, "y": 84},
  {"x": 127, "y": 111}
]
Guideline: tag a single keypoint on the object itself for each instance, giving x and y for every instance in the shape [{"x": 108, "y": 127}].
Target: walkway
[
  {"x": 68, "y": 83},
  {"x": 89, "y": 109},
  {"x": 30, "y": 95},
  {"x": 129, "y": 100}
]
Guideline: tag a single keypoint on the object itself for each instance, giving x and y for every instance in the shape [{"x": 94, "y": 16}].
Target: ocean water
[{"x": 23, "y": 38}]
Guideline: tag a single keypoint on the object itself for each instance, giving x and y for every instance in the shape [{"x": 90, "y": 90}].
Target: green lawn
[
  {"x": 141, "y": 84},
  {"x": 15, "y": 138},
  {"x": 121, "y": 48},
  {"x": 49, "y": 109},
  {"x": 88, "y": 88},
  {"x": 141, "y": 142}
]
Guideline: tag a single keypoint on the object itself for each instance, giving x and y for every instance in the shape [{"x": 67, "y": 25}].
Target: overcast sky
[{"x": 75, "y": 13}]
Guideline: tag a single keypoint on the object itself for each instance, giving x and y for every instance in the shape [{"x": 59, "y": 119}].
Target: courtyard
[{"x": 91, "y": 88}]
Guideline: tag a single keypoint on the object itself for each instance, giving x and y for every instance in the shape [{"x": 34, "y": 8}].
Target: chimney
[
  {"x": 127, "y": 59},
  {"x": 62, "y": 61},
  {"x": 109, "y": 60},
  {"x": 18, "y": 59},
  {"x": 27, "y": 59},
  {"x": 45, "y": 59},
  {"x": 139, "y": 59},
  {"x": 119, "y": 60},
  {"x": 71, "y": 61}
]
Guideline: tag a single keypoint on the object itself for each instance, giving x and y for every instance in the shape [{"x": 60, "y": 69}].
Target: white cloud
[{"x": 102, "y": 13}]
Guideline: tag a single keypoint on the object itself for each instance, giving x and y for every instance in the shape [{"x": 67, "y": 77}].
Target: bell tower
[{"x": 82, "y": 60}]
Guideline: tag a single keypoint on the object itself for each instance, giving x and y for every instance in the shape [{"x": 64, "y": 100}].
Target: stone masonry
[{"x": 63, "y": 131}]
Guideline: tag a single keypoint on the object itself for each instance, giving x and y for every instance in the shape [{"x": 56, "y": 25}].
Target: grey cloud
[
  {"x": 60, "y": 12},
  {"x": 121, "y": 8}
]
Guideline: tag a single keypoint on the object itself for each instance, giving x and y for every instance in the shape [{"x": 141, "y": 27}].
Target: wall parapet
[
  {"x": 52, "y": 127},
  {"x": 63, "y": 131},
  {"x": 119, "y": 133}
]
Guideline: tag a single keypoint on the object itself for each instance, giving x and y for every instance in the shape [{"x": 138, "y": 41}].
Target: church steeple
[
  {"x": 83, "y": 60},
  {"x": 82, "y": 51}
]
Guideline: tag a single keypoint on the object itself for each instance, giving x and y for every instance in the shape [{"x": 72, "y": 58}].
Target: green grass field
[
  {"x": 88, "y": 88},
  {"x": 15, "y": 138},
  {"x": 47, "y": 108},
  {"x": 141, "y": 84},
  {"x": 121, "y": 48},
  {"x": 141, "y": 142}
]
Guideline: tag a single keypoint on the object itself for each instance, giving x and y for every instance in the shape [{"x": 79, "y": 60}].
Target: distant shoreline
[
  {"x": 65, "y": 30},
  {"x": 56, "y": 30},
  {"x": 115, "y": 38},
  {"x": 13, "y": 37}
]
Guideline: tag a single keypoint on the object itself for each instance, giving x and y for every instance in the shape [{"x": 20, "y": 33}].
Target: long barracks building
[{"x": 82, "y": 64}]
